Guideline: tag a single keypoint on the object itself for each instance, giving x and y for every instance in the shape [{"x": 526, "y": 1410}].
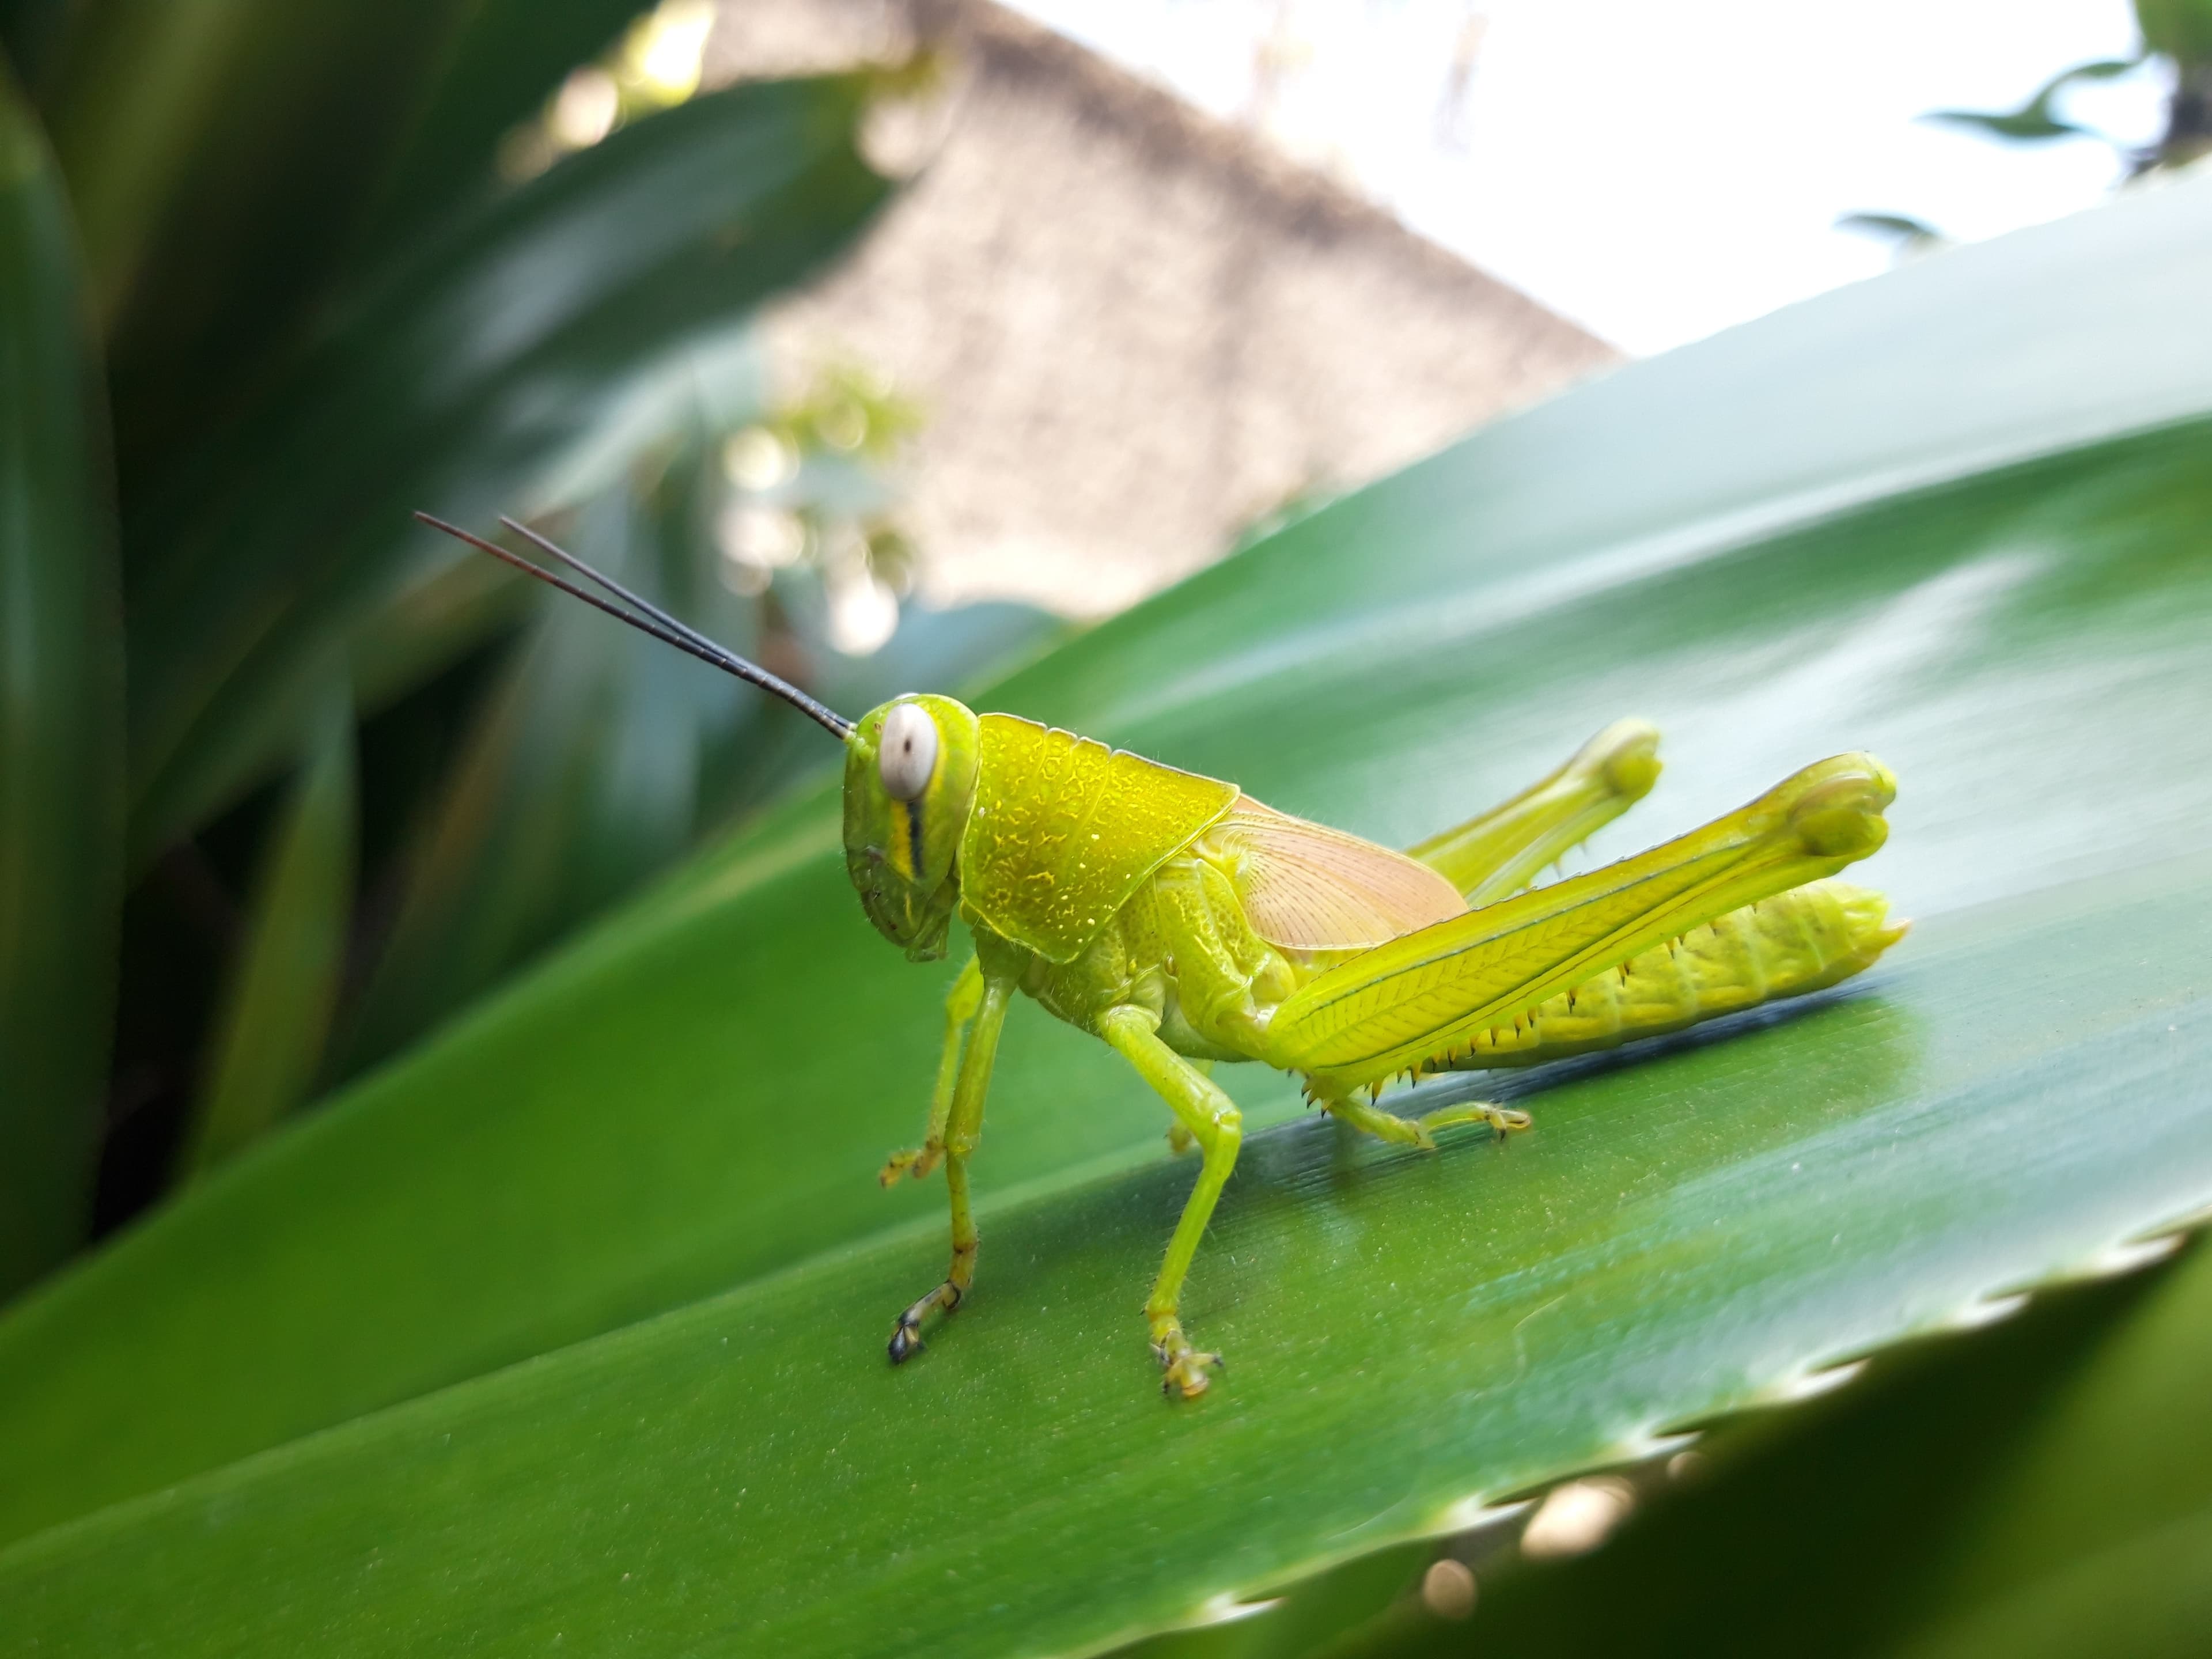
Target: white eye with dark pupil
[{"x": 907, "y": 752}]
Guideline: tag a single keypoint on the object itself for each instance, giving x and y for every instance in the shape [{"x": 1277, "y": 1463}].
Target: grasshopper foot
[
  {"x": 1184, "y": 1367},
  {"x": 914, "y": 1160},
  {"x": 906, "y": 1336}
]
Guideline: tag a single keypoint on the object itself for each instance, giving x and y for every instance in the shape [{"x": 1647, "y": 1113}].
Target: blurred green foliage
[
  {"x": 2178, "y": 35},
  {"x": 61, "y": 688},
  {"x": 2177, "y": 43},
  {"x": 300, "y": 270}
]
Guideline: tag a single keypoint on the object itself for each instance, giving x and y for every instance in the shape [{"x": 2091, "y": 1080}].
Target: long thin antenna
[{"x": 654, "y": 621}]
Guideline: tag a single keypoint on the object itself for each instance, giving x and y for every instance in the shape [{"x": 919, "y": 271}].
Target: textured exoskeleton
[{"x": 1183, "y": 922}]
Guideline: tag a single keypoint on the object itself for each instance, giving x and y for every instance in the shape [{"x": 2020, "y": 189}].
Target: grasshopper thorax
[{"x": 901, "y": 844}]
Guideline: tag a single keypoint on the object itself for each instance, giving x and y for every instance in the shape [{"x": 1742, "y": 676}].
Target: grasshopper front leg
[
  {"x": 955, "y": 1134},
  {"x": 960, "y": 1006},
  {"x": 1213, "y": 1122}
]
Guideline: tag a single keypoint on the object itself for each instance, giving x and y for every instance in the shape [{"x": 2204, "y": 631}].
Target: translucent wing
[{"x": 1308, "y": 887}]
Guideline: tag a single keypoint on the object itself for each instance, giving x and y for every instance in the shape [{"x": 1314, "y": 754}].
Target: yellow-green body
[{"x": 1184, "y": 924}]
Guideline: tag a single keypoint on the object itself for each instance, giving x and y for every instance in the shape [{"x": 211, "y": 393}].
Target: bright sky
[{"x": 1655, "y": 172}]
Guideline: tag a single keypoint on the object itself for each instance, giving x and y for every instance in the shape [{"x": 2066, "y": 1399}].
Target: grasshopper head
[{"x": 909, "y": 781}]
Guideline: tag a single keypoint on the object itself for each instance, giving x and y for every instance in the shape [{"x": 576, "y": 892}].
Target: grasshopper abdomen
[{"x": 1802, "y": 940}]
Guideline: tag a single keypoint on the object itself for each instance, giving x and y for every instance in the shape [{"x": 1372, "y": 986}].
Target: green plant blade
[
  {"x": 451, "y": 387},
  {"x": 61, "y": 665},
  {"x": 1410, "y": 1337},
  {"x": 135, "y": 88},
  {"x": 222, "y": 154},
  {"x": 236, "y": 162},
  {"x": 1954, "y": 516},
  {"x": 501, "y": 60},
  {"x": 268, "y": 1043}
]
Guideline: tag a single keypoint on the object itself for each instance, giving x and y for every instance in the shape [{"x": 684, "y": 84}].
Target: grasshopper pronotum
[{"x": 1182, "y": 922}]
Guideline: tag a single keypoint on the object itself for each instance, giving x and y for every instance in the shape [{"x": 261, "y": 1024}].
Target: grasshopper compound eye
[{"x": 907, "y": 754}]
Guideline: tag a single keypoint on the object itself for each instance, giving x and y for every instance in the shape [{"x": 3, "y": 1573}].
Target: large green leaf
[
  {"x": 452, "y": 384},
  {"x": 1955, "y": 515},
  {"x": 61, "y": 663}
]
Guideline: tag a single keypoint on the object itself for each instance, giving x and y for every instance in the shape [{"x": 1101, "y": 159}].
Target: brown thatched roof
[{"x": 1133, "y": 327}]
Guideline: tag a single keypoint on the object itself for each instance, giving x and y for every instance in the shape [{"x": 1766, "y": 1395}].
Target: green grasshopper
[{"x": 1184, "y": 923}]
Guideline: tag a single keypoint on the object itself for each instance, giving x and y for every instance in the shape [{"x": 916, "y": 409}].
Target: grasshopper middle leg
[{"x": 1421, "y": 1130}]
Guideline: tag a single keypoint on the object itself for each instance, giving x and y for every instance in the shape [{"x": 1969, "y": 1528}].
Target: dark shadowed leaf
[
  {"x": 219, "y": 153},
  {"x": 267, "y": 1043},
  {"x": 61, "y": 671},
  {"x": 501, "y": 62},
  {"x": 2043, "y": 1488},
  {"x": 585, "y": 773}
]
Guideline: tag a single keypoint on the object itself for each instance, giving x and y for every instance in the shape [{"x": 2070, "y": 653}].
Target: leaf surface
[{"x": 1956, "y": 517}]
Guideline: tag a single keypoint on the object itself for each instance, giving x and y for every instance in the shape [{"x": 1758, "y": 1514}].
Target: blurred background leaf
[
  {"x": 2181, "y": 29},
  {"x": 452, "y": 384},
  {"x": 266, "y": 1045},
  {"x": 346, "y": 263},
  {"x": 2176, "y": 42},
  {"x": 60, "y": 715},
  {"x": 1904, "y": 233},
  {"x": 2043, "y": 1488},
  {"x": 2034, "y": 119}
]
